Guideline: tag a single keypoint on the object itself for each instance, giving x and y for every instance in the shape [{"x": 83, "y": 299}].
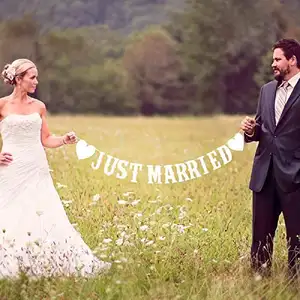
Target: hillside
[{"x": 124, "y": 15}]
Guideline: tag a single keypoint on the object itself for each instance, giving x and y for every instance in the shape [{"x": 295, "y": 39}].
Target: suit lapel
[
  {"x": 273, "y": 89},
  {"x": 294, "y": 96}
]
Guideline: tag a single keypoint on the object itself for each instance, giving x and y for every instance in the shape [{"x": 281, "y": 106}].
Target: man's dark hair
[{"x": 289, "y": 47}]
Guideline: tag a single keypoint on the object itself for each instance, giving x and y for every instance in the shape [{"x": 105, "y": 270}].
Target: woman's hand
[
  {"x": 70, "y": 138},
  {"x": 5, "y": 158}
]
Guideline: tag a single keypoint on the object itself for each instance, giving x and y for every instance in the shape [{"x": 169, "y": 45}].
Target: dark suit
[{"x": 275, "y": 178}]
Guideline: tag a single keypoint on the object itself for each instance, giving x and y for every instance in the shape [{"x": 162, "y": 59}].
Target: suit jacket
[{"x": 280, "y": 143}]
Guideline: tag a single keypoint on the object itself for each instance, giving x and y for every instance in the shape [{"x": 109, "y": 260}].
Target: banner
[{"x": 162, "y": 174}]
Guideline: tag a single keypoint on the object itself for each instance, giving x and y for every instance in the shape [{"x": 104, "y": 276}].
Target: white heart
[
  {"x": 83, "y": 150},
  {"x": 237, "y": 142}
]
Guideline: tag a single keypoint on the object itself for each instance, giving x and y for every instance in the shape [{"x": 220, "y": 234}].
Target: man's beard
[{"x": 282, "y": 73}]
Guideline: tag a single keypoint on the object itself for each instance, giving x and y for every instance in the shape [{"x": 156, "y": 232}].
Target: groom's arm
[{"x": 255, "y": 137}]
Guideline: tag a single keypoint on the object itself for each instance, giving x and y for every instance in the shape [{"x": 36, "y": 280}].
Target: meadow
[{"x": 186, "y": 240}]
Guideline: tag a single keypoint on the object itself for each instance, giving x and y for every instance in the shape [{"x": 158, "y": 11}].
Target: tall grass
[{"x": 187, "y": 240}]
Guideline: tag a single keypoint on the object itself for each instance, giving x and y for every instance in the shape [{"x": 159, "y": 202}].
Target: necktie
[{"x": 281, "y": 100}]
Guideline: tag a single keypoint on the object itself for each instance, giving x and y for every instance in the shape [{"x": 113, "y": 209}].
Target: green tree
[
  {"x": 222, "y": 43},
  {"x": 155, "y": 70}
]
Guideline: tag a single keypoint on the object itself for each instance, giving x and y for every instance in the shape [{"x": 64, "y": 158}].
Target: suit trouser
[{"x": 267, "y": 206}]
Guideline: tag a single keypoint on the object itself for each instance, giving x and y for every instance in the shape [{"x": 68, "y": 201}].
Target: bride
[{"x": 36, "y": 237}]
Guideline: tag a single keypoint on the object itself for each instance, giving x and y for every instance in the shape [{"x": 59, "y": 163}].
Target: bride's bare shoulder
[{"x": 39, "y": 104}]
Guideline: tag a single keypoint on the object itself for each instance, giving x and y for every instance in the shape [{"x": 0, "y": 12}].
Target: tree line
[{"x": 209, "y": 58}]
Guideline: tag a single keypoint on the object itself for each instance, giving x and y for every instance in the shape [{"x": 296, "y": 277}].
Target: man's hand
[{"x": 248, "y": 125}]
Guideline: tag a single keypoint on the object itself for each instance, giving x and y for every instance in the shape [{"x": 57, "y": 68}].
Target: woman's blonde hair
[{"x": 18, "y": 67}]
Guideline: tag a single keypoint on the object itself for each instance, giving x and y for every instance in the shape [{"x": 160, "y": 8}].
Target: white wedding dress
[{"x": 36, "y": 236}]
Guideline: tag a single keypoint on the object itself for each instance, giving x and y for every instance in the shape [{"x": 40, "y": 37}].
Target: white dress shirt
[{"x": 292, "y": 83}]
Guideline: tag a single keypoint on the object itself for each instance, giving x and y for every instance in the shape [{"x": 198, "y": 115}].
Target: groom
[{"x": 275, "y": 178}]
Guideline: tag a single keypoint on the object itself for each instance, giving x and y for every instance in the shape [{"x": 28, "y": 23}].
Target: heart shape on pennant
[
  {"x": 83, "y": 150},
  {"x": 237, "y": 142}
]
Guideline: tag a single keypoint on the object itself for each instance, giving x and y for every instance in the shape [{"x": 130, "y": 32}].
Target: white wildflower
[
  {"x": 127, "y": 194},
  {"x": 182, "y": 213},
  {"x": 181, "y": 216},
  {"x": 103, "y": 249},
  {"x": 127, "y": 243},
  {"x": 149, "y": 243},
  {"x": 144, "y": 227},
  {"x": 123, "y": 202},
  {"x": 96, "y": 197},
  {"x": 120, "y": 226},
  {"x": 158, "y": 211},
  {"x": 66, "y": 203},
  {"x": 135, "y": 202},
  {"x": 59, "y": 185},
  {"x": 107, "y": 241},
  {"x": 181, "y": 228},
  {"x": 257, "y": 277},
  {"x": 119, "y": 242},
  {"x": 106, "y": 224},
  {"x": 205, "y": 229},
  {"x": 168, "y": 206},
  {"x": 162, "y": 238},
  {"x": 182, "y": 209}
]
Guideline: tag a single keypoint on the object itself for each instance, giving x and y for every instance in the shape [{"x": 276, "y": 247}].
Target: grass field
[{"x": 186, "y": 240}]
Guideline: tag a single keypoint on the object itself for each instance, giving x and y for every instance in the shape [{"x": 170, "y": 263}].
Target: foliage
[
  {"x": 222, "y": 43},
  {"x": 126, "y": 15},
  {"x": 205, "y": 57},
  {"x": 155, "y": 69}
]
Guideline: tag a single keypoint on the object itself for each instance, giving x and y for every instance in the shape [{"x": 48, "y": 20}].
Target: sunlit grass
[{"x": 186, "y": 240}]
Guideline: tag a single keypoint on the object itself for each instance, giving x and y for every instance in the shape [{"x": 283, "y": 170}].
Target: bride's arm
[
  {"x": 49, "y": 140},
  {"x": 2, "y": 102}
]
